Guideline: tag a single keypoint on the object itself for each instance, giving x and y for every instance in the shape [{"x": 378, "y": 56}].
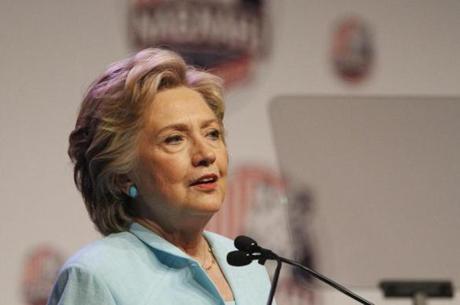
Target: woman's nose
[{"x": 203, "y": 154}]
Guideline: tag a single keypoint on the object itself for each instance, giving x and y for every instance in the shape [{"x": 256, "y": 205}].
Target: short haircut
[{"x": 103, "y": 145}]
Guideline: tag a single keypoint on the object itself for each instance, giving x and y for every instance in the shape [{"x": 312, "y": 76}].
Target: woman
[{"x": 151, "y": 163}]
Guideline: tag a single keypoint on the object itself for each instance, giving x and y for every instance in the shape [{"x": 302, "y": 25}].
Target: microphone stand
[
  {"x": 265, "y": 254},
  {"x": 275, "y": 281}
]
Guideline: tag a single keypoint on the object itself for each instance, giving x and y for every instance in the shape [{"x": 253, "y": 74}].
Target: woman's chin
[
  {"x": 210, "y": 202},
  {"x": 205, "y": 207}
]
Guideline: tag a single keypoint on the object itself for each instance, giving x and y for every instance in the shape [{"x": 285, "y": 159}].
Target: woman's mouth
[{"x": 205, "y": 182}]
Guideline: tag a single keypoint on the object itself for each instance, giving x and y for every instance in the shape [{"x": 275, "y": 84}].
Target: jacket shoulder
[
  {"x": 100, "y": 253},
  {"x": 121, "y": 263}
]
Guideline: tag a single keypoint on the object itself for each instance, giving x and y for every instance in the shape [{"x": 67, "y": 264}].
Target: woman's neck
[{"x": 190, "y": 240}]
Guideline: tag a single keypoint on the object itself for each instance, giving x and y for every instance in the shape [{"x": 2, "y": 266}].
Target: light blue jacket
[{"x": 138, "y": 267}]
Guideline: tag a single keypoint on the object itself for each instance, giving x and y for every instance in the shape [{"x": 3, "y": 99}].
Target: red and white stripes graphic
[{"x": 231, "y": 220}]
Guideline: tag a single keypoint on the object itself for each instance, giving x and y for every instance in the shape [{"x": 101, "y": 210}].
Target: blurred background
[{"x": 342, "y": 122}]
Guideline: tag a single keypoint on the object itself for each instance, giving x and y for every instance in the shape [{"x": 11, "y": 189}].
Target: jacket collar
[
  {"x": 237, "y": 277},
  {"x": 155, "y": 241}
]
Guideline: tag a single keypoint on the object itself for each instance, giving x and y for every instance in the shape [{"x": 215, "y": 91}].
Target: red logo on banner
[
  {"x": 243, "y": 191},
  {"x": 257, "y": 204},
  {"x": 221, "y": 36}
]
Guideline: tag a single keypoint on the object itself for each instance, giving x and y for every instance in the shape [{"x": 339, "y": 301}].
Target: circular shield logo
[
  {"x": 40, "y": 271},
  {"x": 352, "y": 49}
]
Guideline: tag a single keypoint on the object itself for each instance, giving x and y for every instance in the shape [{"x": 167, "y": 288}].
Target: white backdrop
[{"x": 51, "y": 50}]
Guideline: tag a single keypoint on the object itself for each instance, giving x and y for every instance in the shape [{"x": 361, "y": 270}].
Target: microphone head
[
  {"x": 239, "y": 258},
  {"x": 246, "y": 244}
]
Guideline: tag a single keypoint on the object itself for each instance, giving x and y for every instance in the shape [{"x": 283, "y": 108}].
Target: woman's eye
[
  {"x": 176, "y": 139},
  {"x": 214, "y": 134}
]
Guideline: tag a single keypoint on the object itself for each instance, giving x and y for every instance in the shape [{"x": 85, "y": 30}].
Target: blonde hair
[{"x": 102, "y": 146}]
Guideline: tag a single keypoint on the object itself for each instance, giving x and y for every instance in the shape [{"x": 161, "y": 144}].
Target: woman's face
[{"x": 182, "y": 164}]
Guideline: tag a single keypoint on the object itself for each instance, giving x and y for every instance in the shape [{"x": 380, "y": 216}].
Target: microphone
[
  {"x": 239, "y": 258},
  {"x": 249, "y": 246},
  {"x": 249, "y": 250},
  {"x": 246, "y": 244}
]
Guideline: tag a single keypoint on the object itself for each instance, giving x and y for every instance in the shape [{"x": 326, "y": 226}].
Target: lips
[{"x": 204, "y": 180}]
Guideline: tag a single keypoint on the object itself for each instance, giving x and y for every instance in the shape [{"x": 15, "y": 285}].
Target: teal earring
[{"x": 132, "y": 191}]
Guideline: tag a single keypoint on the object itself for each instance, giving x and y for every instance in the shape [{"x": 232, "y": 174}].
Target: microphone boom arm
[
  {"x": 326, "y": 280},
  {"x": 249, "y": 250}
]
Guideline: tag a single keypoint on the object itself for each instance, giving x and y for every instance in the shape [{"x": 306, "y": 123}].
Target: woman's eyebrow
[
  {"x": 185, "y": 127},
  {"x": 209, "y": 122},
  {"x": 178, "y": 126}
]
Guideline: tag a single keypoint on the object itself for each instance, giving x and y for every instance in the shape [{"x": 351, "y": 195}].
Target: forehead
[{"x": 180, "y": 105}]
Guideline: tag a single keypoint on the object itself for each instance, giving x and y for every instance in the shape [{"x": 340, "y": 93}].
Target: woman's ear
[{"x": 124, "y": 183}]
